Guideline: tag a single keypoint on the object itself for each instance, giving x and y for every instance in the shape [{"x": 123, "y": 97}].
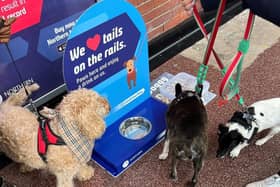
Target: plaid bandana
[{"x": 75, "y": 140}]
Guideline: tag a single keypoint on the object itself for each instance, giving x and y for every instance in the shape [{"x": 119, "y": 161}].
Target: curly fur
[{"x": 18, "y": 133}]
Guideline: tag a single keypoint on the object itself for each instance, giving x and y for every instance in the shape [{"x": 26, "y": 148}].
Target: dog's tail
[{"x": 17, "y": 99}]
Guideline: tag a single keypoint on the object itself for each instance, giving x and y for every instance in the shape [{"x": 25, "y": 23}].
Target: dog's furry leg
[
  {"x": 173, "y": 174},
  {"x": 85, "y": 173},
  {"x": 270, "y": 134},
  {"x": 165, "y": 150},
  {"x": 197, "y": 165},
  {"x": 17, "y": 99},
  {"x": 24, "y": 168},
  {"x": 235, "y": 152},
  {"x": 64, "y": 179}
]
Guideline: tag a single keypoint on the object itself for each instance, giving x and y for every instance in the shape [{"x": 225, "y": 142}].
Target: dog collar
[{"x": 184, "y": 95}]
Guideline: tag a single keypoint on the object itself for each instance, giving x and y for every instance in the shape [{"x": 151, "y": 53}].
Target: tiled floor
[{"x": 263, "y": 36}]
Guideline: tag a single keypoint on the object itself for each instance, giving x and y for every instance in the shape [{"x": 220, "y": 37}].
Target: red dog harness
[{"x": 46, "y": 137}]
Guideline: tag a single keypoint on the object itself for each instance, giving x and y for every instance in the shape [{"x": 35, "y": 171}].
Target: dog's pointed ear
[
  {"x": 178, "y": 89},
  {"x": 222, "y": 129},
  {"x": 237, "y": 114},
  {"x": 251, "y": 110}
]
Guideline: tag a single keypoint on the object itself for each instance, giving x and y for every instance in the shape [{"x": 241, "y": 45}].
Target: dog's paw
[
  {"x": 260, "y": 142},
  {"x": 85, "y": 173},
  {"x": 163, "y": 156},
  {"x": 173, "y": 176},
  {"x": 234, "y": 153},
  {"x": 190, "y": 184},
  {"x": 25, "y": 169}
]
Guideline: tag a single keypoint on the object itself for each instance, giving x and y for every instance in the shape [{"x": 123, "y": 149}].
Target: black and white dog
[
  {"x": 241, "y": 128},
  {"x": 186, "y": 135}
]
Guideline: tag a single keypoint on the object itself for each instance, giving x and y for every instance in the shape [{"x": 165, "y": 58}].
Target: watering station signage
[
  {"x": 107, "y": 51},
  {"x": 101, "y": 53}
]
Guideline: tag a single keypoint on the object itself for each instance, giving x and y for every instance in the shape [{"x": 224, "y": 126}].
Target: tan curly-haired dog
[{"x": 19, "y": 128}]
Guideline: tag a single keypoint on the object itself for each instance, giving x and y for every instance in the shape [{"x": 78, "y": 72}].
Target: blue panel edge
[{"x": 110, "y": 164}]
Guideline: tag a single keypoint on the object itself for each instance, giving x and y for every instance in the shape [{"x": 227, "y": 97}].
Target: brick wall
[{"x": 160, "y": 15}]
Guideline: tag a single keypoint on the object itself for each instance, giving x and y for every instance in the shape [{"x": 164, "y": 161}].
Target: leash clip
[{"x": 222, "y": 102}]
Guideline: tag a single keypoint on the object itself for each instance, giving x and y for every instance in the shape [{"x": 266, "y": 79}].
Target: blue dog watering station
[{"x": 107, "y": 51}]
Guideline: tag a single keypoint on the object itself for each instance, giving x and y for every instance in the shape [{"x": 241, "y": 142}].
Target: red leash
[
  {"x": 242, "y": 50},
  {"x": 227, "y": 81}
]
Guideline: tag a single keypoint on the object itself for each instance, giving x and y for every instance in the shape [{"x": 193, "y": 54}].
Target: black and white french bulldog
[
  {"x": 238, "y": 132},
  {"x": 186, "y": 136}
]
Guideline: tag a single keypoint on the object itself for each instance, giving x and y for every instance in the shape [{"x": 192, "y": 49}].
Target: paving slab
[{"x": 263, "y": 36}]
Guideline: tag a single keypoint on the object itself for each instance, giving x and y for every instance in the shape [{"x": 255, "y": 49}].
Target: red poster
[{"x": 27, "y": 12}]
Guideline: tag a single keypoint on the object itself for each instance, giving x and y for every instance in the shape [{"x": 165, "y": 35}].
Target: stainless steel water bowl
[{"x": 135, "y": 128}]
